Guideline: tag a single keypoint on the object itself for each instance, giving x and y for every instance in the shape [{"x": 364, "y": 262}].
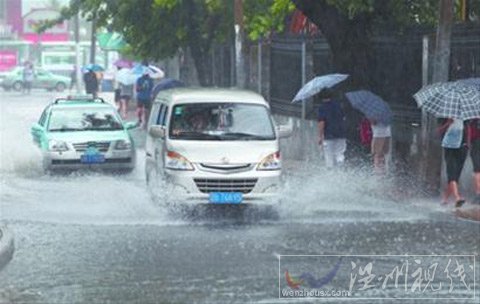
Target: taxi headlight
[
  {"x": 176, "y": 161},
  {"x": 122, "y": 145},
  {"x": 57, "y": 145},
  {"x": 271, "y": 162}
]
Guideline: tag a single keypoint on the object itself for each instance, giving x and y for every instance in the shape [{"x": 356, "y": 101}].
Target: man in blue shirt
[
  {"x": 331, "y": 129},
  {"x": 144, "y": 87}
]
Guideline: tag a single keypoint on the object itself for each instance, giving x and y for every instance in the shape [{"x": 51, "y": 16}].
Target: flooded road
[{"x": 101, "y": 238}]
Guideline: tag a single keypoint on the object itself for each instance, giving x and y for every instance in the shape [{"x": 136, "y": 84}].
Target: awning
[{"x": 111, "y": 41}]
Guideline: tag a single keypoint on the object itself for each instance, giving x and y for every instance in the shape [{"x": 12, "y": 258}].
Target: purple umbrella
[{"x": 123, "y": 63}]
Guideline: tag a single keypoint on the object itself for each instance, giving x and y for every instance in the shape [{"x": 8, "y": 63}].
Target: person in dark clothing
[
  {"x": 144, "y": 88},
  {"x": 332, "y": 130},
  {"x": 91, "y": 83},
  {"x": 454, "y": 161}
]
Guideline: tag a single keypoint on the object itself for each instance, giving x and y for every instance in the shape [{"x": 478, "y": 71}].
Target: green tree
[
  {"x": 157, "y": 29},
  {"x": 349, "y": 24}
]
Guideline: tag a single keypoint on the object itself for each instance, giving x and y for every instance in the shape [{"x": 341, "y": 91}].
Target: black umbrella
[{"x": 165, "y": 84}]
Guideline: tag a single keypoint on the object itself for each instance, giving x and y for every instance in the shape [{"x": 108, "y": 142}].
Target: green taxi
[
  {"x": 43, "y": 79},
  {"x": 84, "y": 132}
]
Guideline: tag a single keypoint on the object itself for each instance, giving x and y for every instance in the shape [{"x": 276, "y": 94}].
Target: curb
[
  {"x": 470, "y": 213},
  {"x": 6, "y": 246}
]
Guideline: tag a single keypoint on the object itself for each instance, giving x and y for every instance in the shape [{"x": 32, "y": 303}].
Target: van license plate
[
  {"x": 92, "y": 158},
  {"x": 226, "y": 197}
]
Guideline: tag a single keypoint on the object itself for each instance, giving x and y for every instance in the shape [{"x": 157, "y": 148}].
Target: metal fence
[{"x": 277, "y": 68}]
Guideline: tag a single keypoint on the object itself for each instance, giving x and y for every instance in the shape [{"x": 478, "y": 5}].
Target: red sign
[{"x": 8, "y": 59}]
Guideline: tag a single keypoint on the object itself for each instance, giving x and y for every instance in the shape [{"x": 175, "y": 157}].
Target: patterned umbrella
[
  {"x": 317, "y": 84},
  {"x": 471, "y": 81},
  {"x": 371, "y": 105},
  {"x": 450, "y": 100}
]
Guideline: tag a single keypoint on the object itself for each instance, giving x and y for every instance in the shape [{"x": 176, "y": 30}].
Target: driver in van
[
  {"x": 197, "y": 122},
  {"x": 194, "y": 122}
]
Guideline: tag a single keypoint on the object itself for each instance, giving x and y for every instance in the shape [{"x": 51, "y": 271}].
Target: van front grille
[{"x": 208, "y": 185}]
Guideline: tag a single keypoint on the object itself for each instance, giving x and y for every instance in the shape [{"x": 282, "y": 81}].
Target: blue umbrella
[
  {"x": 153, "y": 71},
  {"x": 317, "y": 84},
  {"x": 94, "y": 67},
  {"x": 165, "y": 84},
  {"x": 371, "y": 105}
]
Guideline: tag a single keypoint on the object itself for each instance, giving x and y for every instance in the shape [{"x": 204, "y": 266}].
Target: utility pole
[
  {"x": 93, "y": 39},
  {"x": 239, "y": 34},
  {"x": 77, "y": 53},
  {"x": 441, "y": 67}
]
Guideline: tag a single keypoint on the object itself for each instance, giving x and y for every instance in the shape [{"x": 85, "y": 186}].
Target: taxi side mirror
[
  {"x": 36, "y": 128},
  {"x": 131, "y": 125}
]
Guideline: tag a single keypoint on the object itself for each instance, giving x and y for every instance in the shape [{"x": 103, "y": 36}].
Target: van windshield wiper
[
  {"x": 246, "y": 136},
  {"x": 192, "y": 135}
]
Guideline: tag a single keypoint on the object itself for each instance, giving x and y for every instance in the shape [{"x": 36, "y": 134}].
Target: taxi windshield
[{"x": 84, "y": 119}]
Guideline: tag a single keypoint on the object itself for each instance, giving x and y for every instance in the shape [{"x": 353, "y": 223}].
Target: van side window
[
  {"x": 153, "y": 114},
  {"x": 162, "y": 115}
]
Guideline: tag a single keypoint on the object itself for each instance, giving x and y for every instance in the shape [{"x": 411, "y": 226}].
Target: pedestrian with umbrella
[
  {"x": 331, "y": 118},
  {"x": 474, "y": 141},
  {"x": 454, "y": 103},
  {"x": 91, "y": 82},
  {"x": 332, "y": 130},
  {"x": 144, "y": 87},
  {"x": 379, "y": 114}
]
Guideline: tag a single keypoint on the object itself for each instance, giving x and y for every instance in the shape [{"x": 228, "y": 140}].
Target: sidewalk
[
  {"x": 469, "y": 213},
  {"x": 6, "y": 246}
]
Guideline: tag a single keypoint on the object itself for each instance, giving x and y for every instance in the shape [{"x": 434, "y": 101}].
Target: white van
[{"x": 217, "y": 146}]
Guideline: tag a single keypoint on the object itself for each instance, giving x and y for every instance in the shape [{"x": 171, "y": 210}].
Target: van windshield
[{"x": 221, "y": 121}]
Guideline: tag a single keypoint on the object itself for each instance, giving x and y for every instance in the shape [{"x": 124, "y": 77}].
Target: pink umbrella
[{"x": 123, "y": 63}]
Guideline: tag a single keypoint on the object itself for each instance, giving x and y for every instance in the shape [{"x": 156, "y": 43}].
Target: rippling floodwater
[{"x": 89, "y": 237}]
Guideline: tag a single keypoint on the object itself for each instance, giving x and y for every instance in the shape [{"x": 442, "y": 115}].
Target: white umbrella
[{"x": 126, "y": 77}]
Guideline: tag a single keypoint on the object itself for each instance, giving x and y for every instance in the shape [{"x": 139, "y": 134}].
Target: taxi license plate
[{"x": 226, "y": 197}]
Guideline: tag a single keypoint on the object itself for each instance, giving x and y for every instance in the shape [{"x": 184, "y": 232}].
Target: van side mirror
[
  {"x": 157, "y": 131},
  {"x": 285, "y": 130}
]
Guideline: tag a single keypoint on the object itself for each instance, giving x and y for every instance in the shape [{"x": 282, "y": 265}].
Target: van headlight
[
  {"x": 122, "y": 145},
  {"x": 57, "y": 145},
  {"x": 176, "y": 161},
  {"x": 271, "y": 162}
]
